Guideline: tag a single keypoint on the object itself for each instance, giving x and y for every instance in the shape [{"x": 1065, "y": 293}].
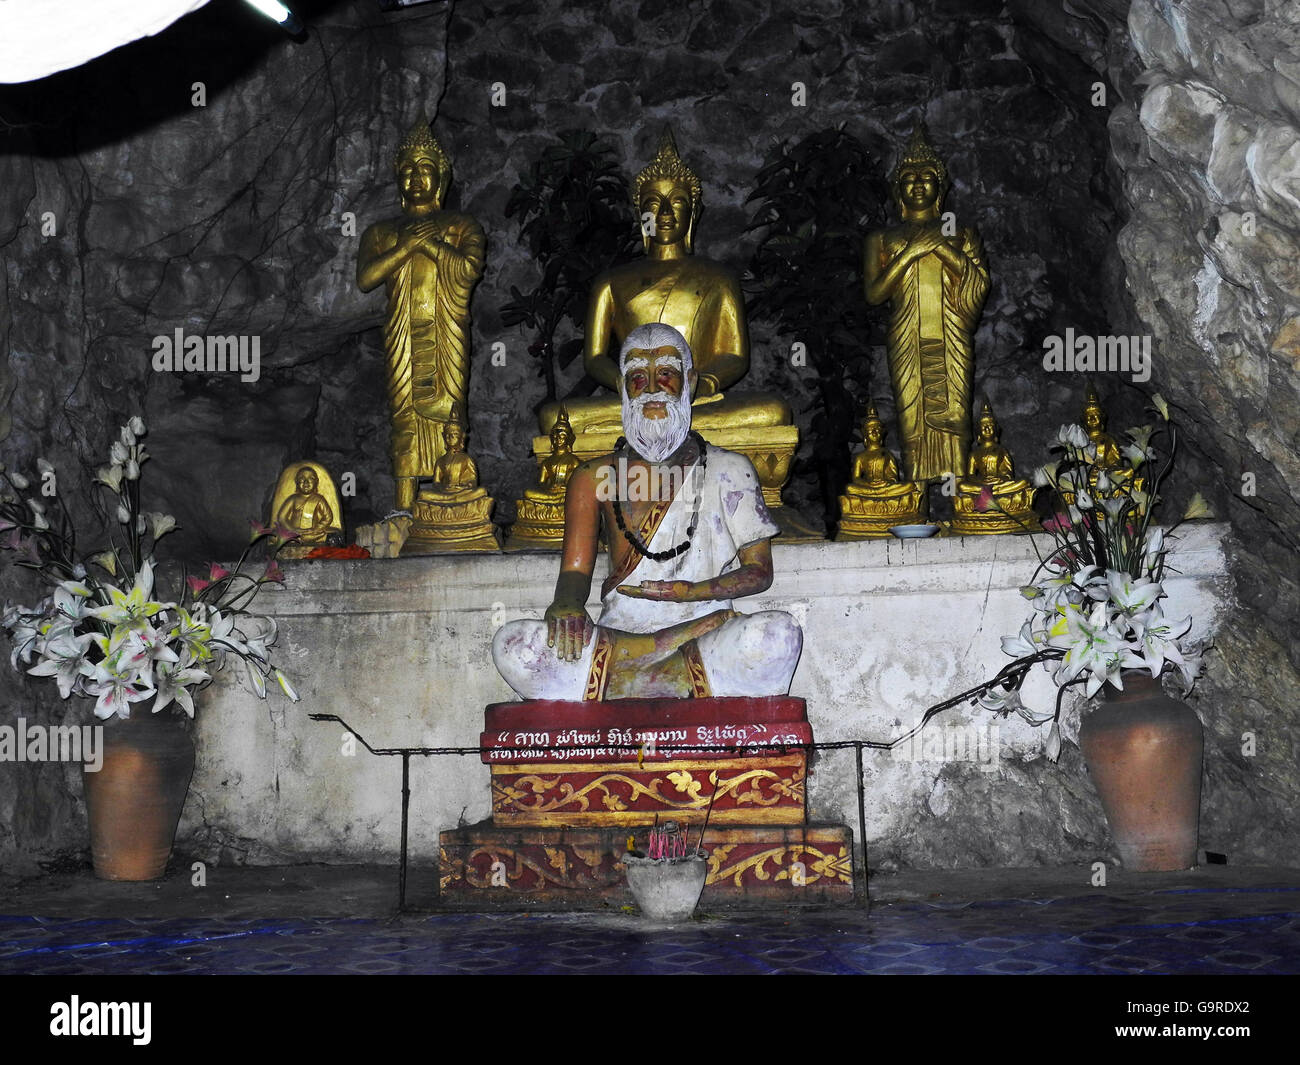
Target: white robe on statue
[{"x": 741, "y": 655}]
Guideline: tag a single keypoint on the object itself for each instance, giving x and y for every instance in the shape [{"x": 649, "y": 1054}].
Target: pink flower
[
  {"x": 197, "y": 584},
  {"x": 217, "y": 571},
  {"x": 1058, "y": 524},
  {"x": 257, "y": 528},
  {"x": 273, "y": 572},
  {"x": 985, "y": 500}
]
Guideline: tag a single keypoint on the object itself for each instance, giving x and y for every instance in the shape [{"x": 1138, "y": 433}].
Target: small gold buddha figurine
[
  {"x": 935, "y": 280},
  {"x": 990, "y": 498},
  {"x": 429, "y": 261},
  {"x": 876, "y": 500},
  {"x": 454, "y": 514},
  {"x": 539, "y": 521},
  {"x": 702, "y": 300},
  {"x": 1110, "y": 475},
  {"x": 306, "y": 502}
]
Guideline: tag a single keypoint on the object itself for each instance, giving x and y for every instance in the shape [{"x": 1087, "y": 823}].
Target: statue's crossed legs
[{"x": 724, "y": 654}]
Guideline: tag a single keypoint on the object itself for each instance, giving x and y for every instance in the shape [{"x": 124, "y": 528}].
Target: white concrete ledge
[{"x": 401, "y": 650}]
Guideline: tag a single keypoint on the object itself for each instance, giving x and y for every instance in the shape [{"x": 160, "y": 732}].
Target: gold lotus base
[
  {"x": 539, "y": 526},
  {"x": 770, "y": 448},
  {"x": 447, "y": 527},
  {"x": 870, "y": 517},
  {"x": 1010, "y": 512}
]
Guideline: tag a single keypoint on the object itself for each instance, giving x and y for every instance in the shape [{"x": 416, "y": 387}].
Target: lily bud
[
  {"x": 136, "y": 425},
  {"x": 20, "y": 482},
  {"x": 123, "y": 515},
  {"x": 131, "y": 470}
]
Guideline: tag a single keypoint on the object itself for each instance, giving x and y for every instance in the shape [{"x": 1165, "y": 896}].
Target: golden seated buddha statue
[
  {"x": 306, "y": 503},
  {"x": 1110, "y": 475},
  {"x": 539, "y": 516},
  {"x": 702, "y": 300},
  {"x": 876, "y": 500},
  {"x": 990, "y": 499},
  {"x": 455, "y": 513}
]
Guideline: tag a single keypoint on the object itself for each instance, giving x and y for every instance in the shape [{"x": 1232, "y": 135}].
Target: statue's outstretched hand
[
  {"x": 568, "y": 630},
  {"x": 660, "y": 591}
]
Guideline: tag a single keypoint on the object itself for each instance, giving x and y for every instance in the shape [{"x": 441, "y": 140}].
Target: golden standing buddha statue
[
  {"x": 876, "y": 499},
  {"x": 539, "y": 520},
  {"x": 702, "y": 300},
  {"x": 305, "y": 502},
  {"x": 990, "y": 498},
  {"x": 430, "y": 260},
  {"x": 935, "y": 280},
  {"x": 454, "y": 514}
]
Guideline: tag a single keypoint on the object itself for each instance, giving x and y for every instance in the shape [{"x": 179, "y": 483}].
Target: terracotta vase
[
  {"x": 133, "y": 803},
  {"x": 1143, "y": 750}
]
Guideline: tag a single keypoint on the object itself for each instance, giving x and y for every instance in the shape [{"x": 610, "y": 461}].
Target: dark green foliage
[
  {"x": 577, "y": 220},
  {"x": 816, "y": 202}
]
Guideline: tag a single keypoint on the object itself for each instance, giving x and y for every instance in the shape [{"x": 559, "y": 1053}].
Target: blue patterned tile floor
[{"x": 1216, "y": 930}]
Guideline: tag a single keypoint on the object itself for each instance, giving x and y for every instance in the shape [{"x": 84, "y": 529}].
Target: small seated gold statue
[
  {"x": 455, "y": 513},
  {"x": 990, "y": 498},
  {"x": 876, "y": 500},
  {"x": 539, "y": 520},
  {"x": 306, "y": 502},
  {"x": 1110, "y": 475}
]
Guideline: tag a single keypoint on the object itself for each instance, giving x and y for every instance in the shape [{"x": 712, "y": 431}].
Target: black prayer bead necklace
[{"x": 642, "y": 549}]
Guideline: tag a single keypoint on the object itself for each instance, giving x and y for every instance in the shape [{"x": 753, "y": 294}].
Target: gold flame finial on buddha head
[
  {"x": 920, "y": 153},
  {"x": 667, "y": 165},
  {"x": 420, "y": 144}
]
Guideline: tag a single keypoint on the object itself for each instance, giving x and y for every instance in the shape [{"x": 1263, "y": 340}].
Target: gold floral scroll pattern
[
  {"x": 818, "y": 864},
  {"x": 559, "y": 868},
  {"x": 761, "y": 787}
]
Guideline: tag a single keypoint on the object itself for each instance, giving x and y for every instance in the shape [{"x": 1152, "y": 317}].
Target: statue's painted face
[
  {"x": 918, "y": 187},
  {"x": 669, "y": 206},
  {"x": 454, "y": 436},
  {"x": 418, "y": 177},
  {"x": 873, "y": 433},
  {"x": 987, "y": 428},
  {"x": 561, "y": 437},
  {"x": 656, "y": 374},
  {"x": 1092, "y": 419},
  {"x": 306, "y": 480}
]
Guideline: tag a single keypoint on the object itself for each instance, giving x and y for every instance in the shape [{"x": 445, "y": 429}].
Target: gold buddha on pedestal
[
  {"x": 876, "y": 500},
  {"x": 702, "y": 300},
  {"x": 1110, "y": 474},
  {"x": 306, "y": 503},
  {"x": 934, "y": 277},
  {"x": 990, "y": 498},
  {"x": 455, "y": 513},
  {"x": 539, "y": 520}
]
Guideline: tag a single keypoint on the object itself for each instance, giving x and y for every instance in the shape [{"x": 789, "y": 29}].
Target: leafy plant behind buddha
[
  {"x": 814, "y": 200},
  {"x": 576, "y": 218}
]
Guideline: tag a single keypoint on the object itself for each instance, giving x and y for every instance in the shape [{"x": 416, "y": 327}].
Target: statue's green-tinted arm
[
  {"x": 568, "y": 627},
  {"x": 753, "y": 576},
  {"x": 600, "y": 363}
]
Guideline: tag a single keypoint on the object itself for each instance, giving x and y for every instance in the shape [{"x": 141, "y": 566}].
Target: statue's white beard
[{"x": 656, "y": 438}]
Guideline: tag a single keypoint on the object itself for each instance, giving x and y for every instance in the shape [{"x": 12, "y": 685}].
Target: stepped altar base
[{"x": 571, "y": 781}]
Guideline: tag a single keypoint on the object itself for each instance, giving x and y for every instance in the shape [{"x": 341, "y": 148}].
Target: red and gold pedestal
[{"x": 571, "y": 781}]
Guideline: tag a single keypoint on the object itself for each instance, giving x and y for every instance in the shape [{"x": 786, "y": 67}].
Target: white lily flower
[
  {"x": 110, "y": 475},
  {"x": 115, "y": 692},
  {"x": 1022, "y": 645},
  {"x": 1141, "y": 435},
  {"x": 1129, "y": 594},
  {"x": 131, "y": 609},
  {"x": 1135, "y": 455},
  {"x": 118, "y": 454},
  {"x": 258, "y": 680},
  {"x": 259, "y": 634},
  {"x": 286, "y": 687},
  {"x": 1083, "y": 499},
  {"x": 160, "y": 524},
  {"x": 1045, "y": 474},
  {"x": 106, "y": 560},
  {"x": 1090, "y": 646},
  {"x": 1072, "y": 436},
  {"x": 192, "y": 636},
  {"x": 173, "y": 685},
  {"x": 64, "y": 659},
  {"x": 136, "y": 425},
  {"x": 1114, "y": 507}
]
